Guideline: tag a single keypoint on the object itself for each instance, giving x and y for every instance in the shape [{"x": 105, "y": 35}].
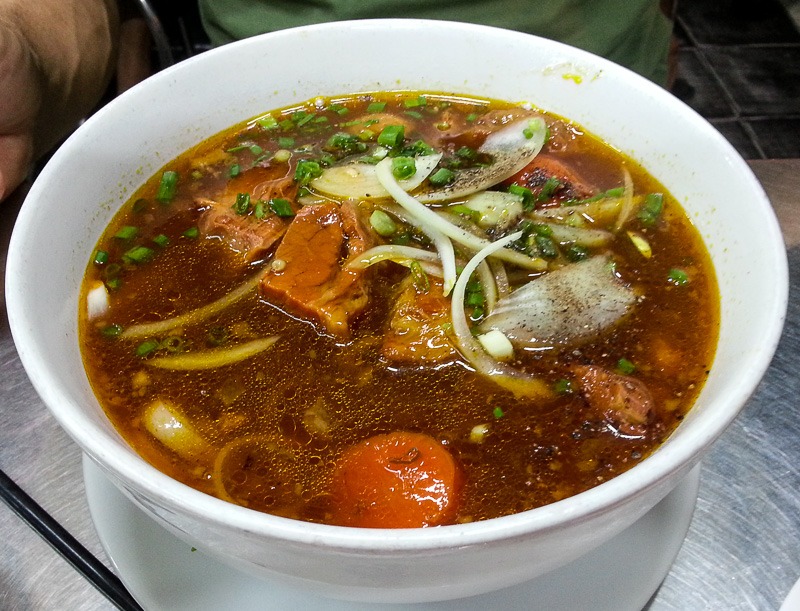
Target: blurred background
[{"x": 737, "y": 63}]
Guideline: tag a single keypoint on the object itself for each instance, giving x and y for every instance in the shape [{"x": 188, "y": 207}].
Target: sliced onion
[
  {"x": 193, "y": 317},
  {"x": 429, "y": 220},
  {"x": 512, "y": 147},
  {"x": 403, "y": 255},
  {"x": 628, "y": 205},
  {"x": 497, "y": 345},
  {"x": 500, "y": 277},
  {"x": 584, "y": 236},
  {"x": 211, "y": 359},
  {"x": 499, "y": 209},
  {"x": 170, "y": 427},
  {"x": 471, "y": 349},
  {"x": 359, "y": 180},
  {"x": 443, "y": 245},
  {"x": 488, "y": 285},
  {"x": 97, "y": 303}
]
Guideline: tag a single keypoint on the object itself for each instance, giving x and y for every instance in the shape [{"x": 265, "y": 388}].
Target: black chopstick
[{"x": 65, "y": 544}]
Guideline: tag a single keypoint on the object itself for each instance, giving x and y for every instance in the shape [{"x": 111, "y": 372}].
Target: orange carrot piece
[{"x": 396, "y": 480}]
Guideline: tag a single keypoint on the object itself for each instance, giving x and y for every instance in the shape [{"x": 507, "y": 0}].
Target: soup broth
[{"x": 266, "y": 322}]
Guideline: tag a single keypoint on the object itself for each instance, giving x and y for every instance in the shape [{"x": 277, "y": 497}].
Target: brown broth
[{"x": 296, "y": 407}]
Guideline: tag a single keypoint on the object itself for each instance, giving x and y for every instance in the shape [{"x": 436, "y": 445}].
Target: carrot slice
[{"x": 396, "y": 480}]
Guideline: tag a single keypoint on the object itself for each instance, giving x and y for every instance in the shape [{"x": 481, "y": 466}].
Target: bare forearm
[{"x": 72, "y": 46}]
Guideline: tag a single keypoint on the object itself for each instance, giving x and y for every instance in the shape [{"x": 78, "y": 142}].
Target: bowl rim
[{"x": 140, "y": 476}]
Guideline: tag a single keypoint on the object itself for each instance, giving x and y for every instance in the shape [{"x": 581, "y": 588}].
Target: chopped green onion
[
  {"x": 497, "y": 412},
  {"x": 625, "y": 366},
  {"x": 678, "y": 277},
  {"x": 549, "y": 188},
  {"x": 173, "y": 343},
  {"x": 235, "y": 170},
  {"x": 146, "y": 347},
  {"x": 161, "y": 240},
  {"x": 465, "y": 211},
  {"x": 418, "y": 149},
  {"x": 100, "y": 257},
  {"x": 534, "y": 125},
  {"x": 347, "y": 143},
  {"x": 267, "y": 122},
  {"x": 474, "y": 299},
  {"x": 339, "y": 109},
  {"x": 260, "y": 209},
  {"x": 280, "y": 206},
  {"x": 382, "y": 223},
  {"x": 651, "y": 209},
  {"x": 191, "y": 233},
  {"x": 401, "y": 238},
  {"x": 304, "y": 118},
  {"x": 128, "y": 232},
  {"x": 403, "y": 167},
  {"x": 576, "y": 252},
  {"x": 167, "y": 187},
  {"x": 414, "y": 114},
  {"x": 615, "y": 192},
  {"x": 138, "y": 254},
  {"x": 217, "y": 336},
  {"x": 113, "y": 330},
  {"x": 376, "y": 107},
  {"x": 285, "y": 142},
  {"x": 392, "y": 136},
  {"x": 442, "y": 177},
  {"x": 472, "y": 117},
  {"x": 242, "y": 204},
  {"x": 139, "y": 206},
  {"x": 421, "y": 281},
  {"x": 465, "y": 152},
  {"x": 528, "y": 202},
  {"x": 112, "y": 270},
  {"x": 307, "y": 171},
  {"x": 237, "y": 148},
  {"x": 414, "y": 102},
  {"x": 546, "y": 247},
  {"x": 282, "y": 155},
  {"x": 113, "y": 284},
  {"x": 563, "y": 386}
]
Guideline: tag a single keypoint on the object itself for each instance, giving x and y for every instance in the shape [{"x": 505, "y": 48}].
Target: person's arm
[{"x": 56, "y": 59}]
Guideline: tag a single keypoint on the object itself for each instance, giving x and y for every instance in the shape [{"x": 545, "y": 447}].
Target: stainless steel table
[{"x": 742, "y": 550}]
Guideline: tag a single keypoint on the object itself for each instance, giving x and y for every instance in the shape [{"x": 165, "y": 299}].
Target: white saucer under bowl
[{"x": 163, "y": 572}]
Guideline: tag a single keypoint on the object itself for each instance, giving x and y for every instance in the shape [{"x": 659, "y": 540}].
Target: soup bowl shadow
[{"x": 131, "y": 138}]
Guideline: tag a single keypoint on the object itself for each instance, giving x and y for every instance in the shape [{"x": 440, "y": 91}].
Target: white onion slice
[
  {"x": 628, "y": 204},
  {"x": 440, "y": 240},
  {"x": 512, "y": 147},
  {"x": 359, "y": 180},
  {"x": 505, "y": 376},
  {"x": 428, "y": 220},
  {"x": 211, "y": 359},
  {"x": 170, "y": 427},
  {"x": 194, "y": 316},
  {"x": 97, "y": 302}
]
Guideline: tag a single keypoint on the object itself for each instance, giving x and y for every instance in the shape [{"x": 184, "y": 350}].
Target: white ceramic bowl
[{"x": 113, "y": 153}]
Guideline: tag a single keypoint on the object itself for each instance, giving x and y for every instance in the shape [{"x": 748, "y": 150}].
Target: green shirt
[{"x": 633, "y": 33}]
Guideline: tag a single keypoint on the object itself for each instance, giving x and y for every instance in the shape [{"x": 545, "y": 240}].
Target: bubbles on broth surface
[{"x": 267, "y": 430}]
